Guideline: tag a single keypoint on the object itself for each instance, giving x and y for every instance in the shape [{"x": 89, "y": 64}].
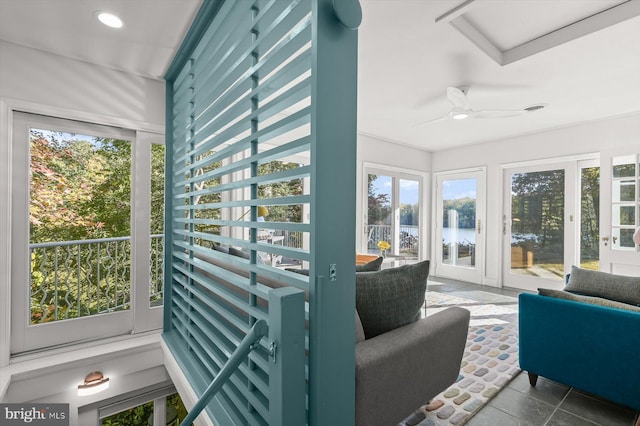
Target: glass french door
[
  {"x": 459, "y": 231},
  {"x": 393, "y": 213},
  {"x": 539, "y": 225}
]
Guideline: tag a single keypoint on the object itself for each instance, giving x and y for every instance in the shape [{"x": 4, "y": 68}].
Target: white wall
[
  {"x": 131, "y": 366},
  {"x": 565, "y": 142},
  {"x": 39, "y": 82},
  {"x": 57, "y": 85},
  {"x": 374, "y": 150}
]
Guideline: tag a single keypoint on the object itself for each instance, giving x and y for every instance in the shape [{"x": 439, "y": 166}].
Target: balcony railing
[
  {"x": 408, "y": 238},
  {"x": 72, "y": 279}
]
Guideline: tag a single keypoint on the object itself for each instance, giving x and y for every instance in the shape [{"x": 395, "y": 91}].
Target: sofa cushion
[
  {"x": 238, "y": 252},
  {"x": 223, "y": 248},
  {"x": 359, "y": 330},
  {"x": 372, "y": 266},
  {"x": 620, "y": 288},
  {"x": 390, "y": 298},
  {"x": 560, "y": 294}
]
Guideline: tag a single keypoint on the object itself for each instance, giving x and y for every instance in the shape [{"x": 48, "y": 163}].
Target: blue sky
[
  {"x": 408, "y": 189},
  {"x": 64, "y": 136},
  {"x": 451, "y": 189},
  {"x": 458, "y": 188}
]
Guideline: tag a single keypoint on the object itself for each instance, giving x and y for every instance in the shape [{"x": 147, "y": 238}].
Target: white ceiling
[
  {"x": 152, "y": 32},
  {"x": 406, "y": 59}
]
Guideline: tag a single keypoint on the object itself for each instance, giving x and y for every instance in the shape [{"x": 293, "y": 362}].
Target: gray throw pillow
[
  {"x": 620, "y": 288},
  {"x": 599, "y": 301},
  {"x": 372, "y": 266},
  {"x": 390, "y": 298}
]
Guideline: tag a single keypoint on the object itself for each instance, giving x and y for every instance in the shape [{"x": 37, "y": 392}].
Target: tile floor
[{"x": 549, "y": 403}]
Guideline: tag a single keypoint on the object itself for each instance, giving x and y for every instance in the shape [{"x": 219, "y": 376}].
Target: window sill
[{"x": 32, "y": 364}]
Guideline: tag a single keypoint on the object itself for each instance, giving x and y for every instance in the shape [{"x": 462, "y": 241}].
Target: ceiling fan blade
[
  {"x": 498, "y": 113},
  {"x": 457, "y": 98},
  {"x": 433, "y": 120}
]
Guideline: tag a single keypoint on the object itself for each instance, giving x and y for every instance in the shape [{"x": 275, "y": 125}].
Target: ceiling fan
[{"x": 461, "y": 109}]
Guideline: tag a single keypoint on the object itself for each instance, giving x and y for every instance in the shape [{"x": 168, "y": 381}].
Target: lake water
[{"x": 465, "y": 235}]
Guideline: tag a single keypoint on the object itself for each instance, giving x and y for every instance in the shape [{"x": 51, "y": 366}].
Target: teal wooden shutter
[{"x": 261, "y": 113}]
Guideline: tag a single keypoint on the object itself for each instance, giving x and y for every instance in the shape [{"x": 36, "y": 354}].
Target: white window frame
[
  {"x": 23, "y": 337},
  {"x": 396, "y": 173},
  {"x": 93, "y": 414}
]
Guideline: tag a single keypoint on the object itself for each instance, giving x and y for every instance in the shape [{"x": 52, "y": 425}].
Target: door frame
[
  {"x": 476, "y": 274},
  {"x": 623, "y": 262}
]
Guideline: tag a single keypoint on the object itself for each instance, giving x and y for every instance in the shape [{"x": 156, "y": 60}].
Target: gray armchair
[
  {"x": 402, "y": 361},
  {"x": 402, "y": 369}
]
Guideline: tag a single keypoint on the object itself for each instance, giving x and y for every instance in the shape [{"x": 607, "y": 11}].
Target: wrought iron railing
[
  {"x": 72, "y": 279},
  {"x": 156, "y": 273},
  {"x": 408, "y": 238}
]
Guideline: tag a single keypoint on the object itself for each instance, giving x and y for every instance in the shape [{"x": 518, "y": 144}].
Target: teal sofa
[{"x": 583, "y": 344}]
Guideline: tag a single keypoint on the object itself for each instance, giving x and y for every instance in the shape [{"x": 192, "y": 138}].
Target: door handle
[
  {"x": 479, "y": 227},
  {"x": 606, "y": 240}
]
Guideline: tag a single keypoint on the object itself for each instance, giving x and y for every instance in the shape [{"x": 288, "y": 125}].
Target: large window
[
  {"x": 81, "y": 201},
  {"x": 79, "y": 225},
  {"x": 393, "y": 213}
]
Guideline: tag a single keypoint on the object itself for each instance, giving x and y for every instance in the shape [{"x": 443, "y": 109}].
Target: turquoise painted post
[
  {"x": 192, "y": 38},
  {"x": 333, "y": 185},
  {"x": 168, "y": 203},
  {"x": 287, "y": 361},
  {"x": 331, "y": 385}
]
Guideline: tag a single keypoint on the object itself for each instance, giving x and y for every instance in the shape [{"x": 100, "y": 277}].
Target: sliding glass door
[{"x": 539, "y": 225}]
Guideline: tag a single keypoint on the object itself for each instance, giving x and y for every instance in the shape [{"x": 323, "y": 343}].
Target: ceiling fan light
[{"x": 460, "y": 115}]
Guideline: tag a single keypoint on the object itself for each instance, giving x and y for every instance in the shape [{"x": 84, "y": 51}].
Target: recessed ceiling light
[{"x": 110, "y": 20}]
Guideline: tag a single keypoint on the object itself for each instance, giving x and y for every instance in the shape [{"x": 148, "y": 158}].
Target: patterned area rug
[{"x": 489, "y": 362}]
